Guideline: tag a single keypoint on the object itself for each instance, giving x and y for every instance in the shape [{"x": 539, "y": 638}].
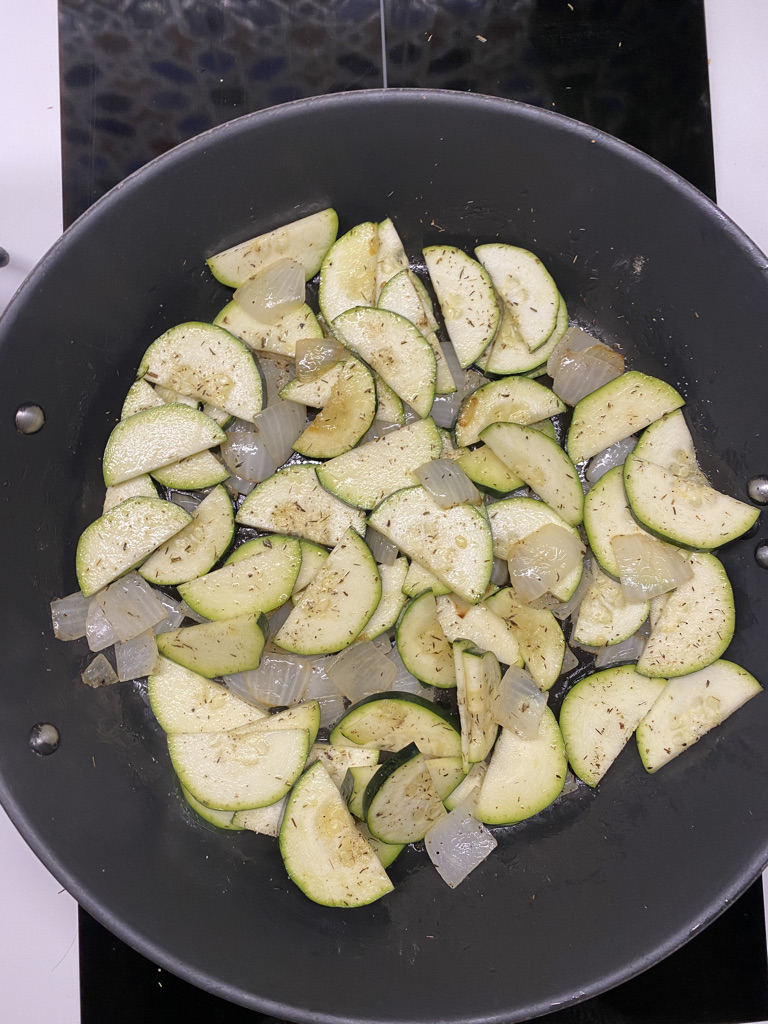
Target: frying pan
[{"x": 603, "y": 883}]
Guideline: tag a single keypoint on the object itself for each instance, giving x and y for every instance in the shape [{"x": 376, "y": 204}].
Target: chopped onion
[
  {"x": 247, "y": 456},
  {"x": 280, "y": 679},
  {"x": 276, "y": 290},
  {"x": 517, "y": 703},
  {"x": 188, "y": 500},
  {"x": 131, "y": 605},
  {"x": 238, "y": 487},
  {"x": 564, "y": 610},
  {"x": 581, "y": 373},
  {"x": 447, "y": 483},
  {"x": 571, "y": 783},
  {"x": 472, "y": 381},
  {"x": 174, "y": 616},
  {"x": 648, "y": 567},
  {"x": 99, "y": 631},
  {"x": 445, "y": 409},
  {"x": 236, "y": 684},
  {"x": 277, "y": 373},
  {"x": 609, "y": 458},
  {"x": 378, "y": 429},
  {"x": 540, "y": 560},
  {"x": 457, "y": 843},
  {"x": 190, "y": 613},
  {"x": 278, "y": 617},
  {"x": 570, "y": 662},
  {"x": 280, "y": 425},
  {"x": 404, "y": 681},
  {"x": 575, "y": 339},
  {"x": 360, "y": 670},
  {"x": 457, "y": 371},
  {"x": 499, "y": 572},
  {"x": 136, "y": 657},
  {"x": 626, "y": 650},
  {"x": 328, "y": 696},
  {"x": 98, "y": 672},
  {"x": 314, "y": 356},
  {"x": 69, "y": 615},
  {"x": 409, "y": 415},
  {"x": 382, "y": 548}
]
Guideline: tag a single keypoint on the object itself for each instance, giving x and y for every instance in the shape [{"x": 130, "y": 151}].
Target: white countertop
[{"x": 38, "y": 941}]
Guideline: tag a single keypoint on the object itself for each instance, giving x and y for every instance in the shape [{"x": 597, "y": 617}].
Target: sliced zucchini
[
  {"x": 468, "y": 785},
  {"x": 323, "y": 851},
  {"x": 338, "y": 759},
  {"x": 392, "y": 720},
  {"x": 304, "y": 715},
  {"x": 508, "y": 400},
  {"x": 604, "y": 616},
  {"x": 477, "y": 676},
  {"x": 374, "y": 470},
  {"x": 386, "y": 852},
  {"x": 391, "y": 258},
  {"x": 279, "y": 338},
  {"x": 395, "y": 349},
  {"x": 392, "y": 602},
  {"x": 688, "y": 707},
  {"x": 424, "y": 648},
  {"x": 306, "y": 241},
  {"x": 122, "y": 538},
  {"x": 215, "y": 648},
  {"x": 141, "y": 395},
  {"x": 420, "y": 579},
  {"x": 454, "y": 544},
  {"x": 315, "y": 393},
  {"x": 184, "y": 701},
  {"x": 509, "y": 354},
  {"x": 136, "y": 487},
  {"x": 527, "y": 289},
  {"x": 389, "y": 408},
  {"x": 600, "y": 713},
  {"x": 539, "y": 635},
  {"x": 345, "y": 417},
  {"x": 348, "y": 272},
  {"x": 479, "y": 624},
  {"x": 667, "y": 442},
  {"x": 193, "y": 473},
  {"x": 263, "y": 820},
  {"x": 214, "y": 816},
  {"x": 621, "y": 407},
  {"x": 313, "y": 558},
  {"x": 467, "y": 300},
  {"x": 353, "y": 787},
  {"x": 607, "y": 515},
  {"x": 292, "y": 501},
  {"x": 447, "y": 773},
  {"x": 401, "y": 802},
  {"x": 487, "y": 471}
]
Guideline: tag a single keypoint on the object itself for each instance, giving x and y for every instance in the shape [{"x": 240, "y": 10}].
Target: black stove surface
[{"x": 140, "y": 76}]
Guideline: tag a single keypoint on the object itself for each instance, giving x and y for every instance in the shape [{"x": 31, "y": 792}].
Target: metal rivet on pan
[
  {"x": 761, "y": 554},
  {"x": 757, "y": 489},
  {"x": 29, "y": 418},
  {"x": 44, "y": 738},
  {"x": 5, "y": 258}
]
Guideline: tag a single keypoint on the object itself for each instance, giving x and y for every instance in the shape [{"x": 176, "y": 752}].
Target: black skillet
[{"x": 599, "y": 886}]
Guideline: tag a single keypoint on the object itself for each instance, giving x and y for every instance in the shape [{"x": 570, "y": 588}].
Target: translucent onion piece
[
  {"x": 445, "y": 409},
  {"x": 458, "y": 843},
  {"x": 607, "y": 459},
  {"x": 99, "y": 631},
  {"x": 280, "y": 425},
  {"x": 575, "y": 339},
  {"x": 500, "y": 572},
  {"x": 404, "y": 681},
  {"x": 137, "y": 657},
  {"x": 236, "y": 684},
  {"x": 190, "y": 613},
  {"x": 277, "y": 373},
  {"x": 174, "y": 616},
  {"x": 246, "y": 455},
  {"x": 275, "y": 291},
  {"x": 648, "y": 567},
  {"x": 382, "y": 549},
  {"x": 409, "y": 415},
  {"x": 457, "y": 372},
  {"x": 571, "y": 784},
  {"x": 517, "y": 703},
  {"x": 581, "y": 373},
  {"x": 280, "y": 679},
  {"x": 68, "y": 615},
  {"x": 628, "y": 650},
  {"x": 131, "y": 605},
  {"x": 238, "y": 487},
  {"x": 447, "y": 483},
  {"x": 328, "y": 696},
  {"x": 98, "y": 672},
  {"x": 378, "y": 429},
  {"x": 314, "y": 356},
  {"x": 570, "y": 662},
  {"x": 540, "y": 560},
  {"x": 360, "y": 670},
  {"x": 188, "y": 500},
  {"x": 278, "y": 617},
  {"x": 565, "y": 610},
  {"x": 472, "y": 381}
]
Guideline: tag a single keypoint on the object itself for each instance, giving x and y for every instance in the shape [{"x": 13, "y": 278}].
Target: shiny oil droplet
[
  {"x": 29, "y": 418},
  {"x": 761, "y": 555},
  {"x": 44, "y": 738},
  {"x": 757, "y": 489}
]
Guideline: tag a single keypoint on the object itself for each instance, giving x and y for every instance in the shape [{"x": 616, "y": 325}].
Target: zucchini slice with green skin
[
  {"x": 667, "y": 442},
  {"x": 423, "y": 646},
  {"x": 141, "y": 395},
  {"x": 468, "y": 784},
  {"x": 279, "y": 338},
  {"x": 607, "y": 515},
  {"x": 524, "y": 775},
  {"x": 392, "y": 602},
  {"x": 214, "y": 816},
  {"x": 304, "y": 715},
  {"x": 374, "y": 470},
  {"x": 447, "y": 773},
  {"x": 508, "y": 400},
  {"x": 391, "y": 258},
  {"x": 389, "y": 408},
  {"x": 185, "y": 701},
  {"x": 621, "y": 407},
  {"x": 695, "y": 624},
  {"x": 344, "y": 418},
  {"x": 386, "y": 852},
  {"x": 316, "y": 392},
  {"x": 604, "y": 616},
  {"x": 192, "y": 473},
  {"x": 487, "y": 471},
  {"x": 454, "y": 544},
  {"x": 682, "y": 510},
  {"x": 352, "y": 788},
  {"x": 420, "y": 579},
  {"x": 477, "y": 676},
  {"x": 539, "y": 635},
  {"x": 466, "y": 298},
  {"x": 215, "y": 648},
  {"x": 395, "y": 349},
  {"x": 348, "y": 272},
  {"x": 337, "y": 604},
  {"x": 401, "y": 802},
  {"x": 392, "y": 720},
  {"x": 313, "y": 558},
  {"x": 195, "y": 549},
  {"x": 526, "y": 287},
  {"x": 688, "y": 707},
  {"x": 305, "y": 240},
  {"x": 509, "y": 354},
  {"x": 292, "y": 501},
  {"x": 157, "y": 437},
  {"x": 241, "y": 768},
  {"x": 542, "y": 464},
  {"x": 600, "y": 713},
  {"x": 480, "y": 624},
  {"x": 206, "y": 363},
  {"x": 263, "y": 820},
  {"x": 123, "y": 538},
  {"x": 322, "y": 849},
  {"x": 136, "y": 487},
  {"x": 258, "y": 578},
  {"x": 339, "y": 758}
]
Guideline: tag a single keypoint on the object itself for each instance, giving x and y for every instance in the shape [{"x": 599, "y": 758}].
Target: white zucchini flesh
[
  {"x": 509, "y": 354},
  {"x": 604, "y": 616},
  {"x": 323, "y": 851},
  {"x": 338, "y": 759},
  {"x": 337, "y": 604},
  {"x": 241, "y": 768},
  {"x": 391, "y": 258},
  {"x": 420, "y": 579},
  {"x": 524, "y": 775},
  {"x": 392, "y": 720},
  {"x": 192, "y": 473},
  {"x": 667, "y": 442},
  {"x": 695, "y": 624},
  {"x": 157, "y": 437},
  {"x": 619, "y": 408},
  {"x": 279, "y": 338},
  {"x": 392, "y": 602},
  {"x": 447, "y": 773},
  {"x": 371, "y": 472},
  {"x": 487, "y": 471},
  {"x": 316, "y": 392},
  {"x": 313, "y": 558},
  {"x": 466, "y": 298},
  {"x": 684, "y": 511},
  {"x": 353, "y": 786},
  {"x": 215, "y": 648},
  {"x": 401, "y": 802},
  {"x": 479, "y": 624},
  {"x": 454, "y": 544},
  {"x": 136, "y": 487},
  {"x": 542, "y": 464},
  {"x": 123, "y": 538},
  {"x": 539, "y": 636},
  {"x": 599, "y": 715},
  {"x": 141, "y": 395},
  {"x": 263, "y": 820},
  {"x": 468, "y": 785},
  {"x": 304, "y": 715},
  {"x": 527, "y": 288},
  {"x": 477, "y": 676},
  {"x": 305, "y": 240},
  {"x": 184, "y": 701},
  {"x": 206, "y": 363},
  {"x": 197, "y": 547},
  {"x": 688, "y": 707},
  {"x": 389, "y": 407},
  {"x": 293, "y": 501},
  {"x": 424, "y": 648},
  {"x": 348, "y": 272},
  {"x": 345, "y": 417},
  {"x": 395, "y": 349},
  {"x": 259, "y": 577},
  {"x": 607, "y": 515},
  {"x": 508, "y": 400}
]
